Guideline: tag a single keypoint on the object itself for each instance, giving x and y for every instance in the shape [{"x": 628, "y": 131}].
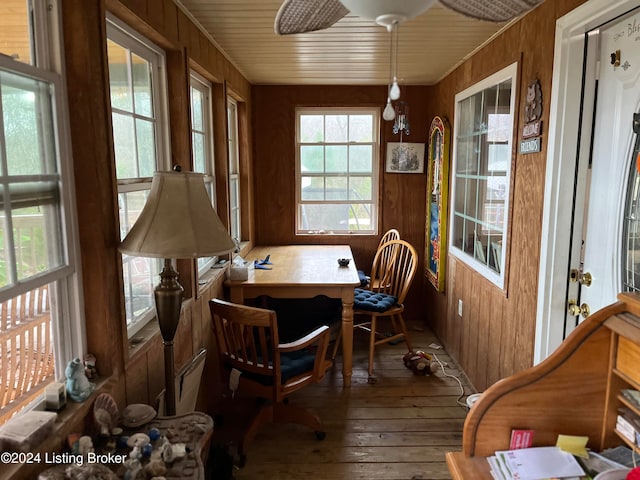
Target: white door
[
  {"x": 591, "y": 28},
  {"x": 606, "y": 160}
]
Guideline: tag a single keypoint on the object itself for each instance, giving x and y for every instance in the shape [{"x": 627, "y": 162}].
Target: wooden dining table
[{"x": 304, "y": 271}]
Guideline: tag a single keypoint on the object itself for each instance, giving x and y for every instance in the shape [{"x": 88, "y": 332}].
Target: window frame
[
  {"x": 374, "y": 175},
  {"x": 496, "y": 277},
  {"x": 202, "y": 85},
  {"x": 127, "y": 37},
  {"x": 68, "y": 326},
  {"x": 235, "y": 207}
]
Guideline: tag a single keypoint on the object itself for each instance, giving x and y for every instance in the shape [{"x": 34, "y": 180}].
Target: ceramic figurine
[
  {"x": 78, "y": 385},
  {"x": 90, "y": 366},
  {"x": 85, "y": 445}
]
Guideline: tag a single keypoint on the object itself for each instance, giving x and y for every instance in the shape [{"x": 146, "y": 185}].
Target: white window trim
[
  {"x": 510, "y": 72},
  {"x": 375, "y": 164},
  {"x": 122, "y": 33},
  {"x": 204, "y": 86},
  {"x": 126, "y": 36},
  {"x": 69, "y": 331},
  {"x": 234, "y": 170}
]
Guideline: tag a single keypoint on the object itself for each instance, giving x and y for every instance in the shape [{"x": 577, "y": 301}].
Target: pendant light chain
[
  {"x": 389, "y": 112},
  {"x": 395, "y": 32}
]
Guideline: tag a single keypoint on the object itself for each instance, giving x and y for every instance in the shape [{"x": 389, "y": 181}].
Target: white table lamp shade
[{"x": 178, "y": 221}]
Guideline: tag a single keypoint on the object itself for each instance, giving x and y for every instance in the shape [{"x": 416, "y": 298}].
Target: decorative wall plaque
[{"x": 532, "y": 118}]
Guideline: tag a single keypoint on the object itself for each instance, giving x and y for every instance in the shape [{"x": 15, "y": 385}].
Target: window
[
  {"x": 234, "y": 169},
  {"x": 336, "y": 171},
  {"x": 483, "y": 134},
  {"x": 40, "y": 322},
  {"x": 631, "y": 224},
  {"x": 136, "y": 80},
  {"x": 202, "y": 145}
]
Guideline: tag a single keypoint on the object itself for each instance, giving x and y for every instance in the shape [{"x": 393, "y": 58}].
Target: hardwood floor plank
[
  {"x": 395, "y": 425},
  {"x": 378, "y": 401},
  {"x": 306, "y": 443},
  {"x": 350, "y": 471},
  {"x": 374, "y": 413},
  {"x": 322, "y": 454}
]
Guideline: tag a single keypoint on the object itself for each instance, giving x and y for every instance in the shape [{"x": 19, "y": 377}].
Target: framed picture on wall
[
  {"x": 405, "y": 157},
  {"x": 437, "y": 181}
]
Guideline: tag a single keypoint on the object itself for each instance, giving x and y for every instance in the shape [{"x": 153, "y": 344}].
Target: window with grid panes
[
  {"x": 202, "y": 145},
  {"x": 337, "y": 165},
  {"x": 234, "y": 169},
  {"x": 482, "y": 153},
  {"x": 41, "y": 326},
  {"x": 137, "y": 85}
]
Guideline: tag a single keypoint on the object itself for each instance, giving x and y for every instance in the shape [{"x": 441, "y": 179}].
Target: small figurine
[
  {"x": 90, "y": 366},
  {"x": 85, "y": 445},
  {"x": 78, "y": 385}
]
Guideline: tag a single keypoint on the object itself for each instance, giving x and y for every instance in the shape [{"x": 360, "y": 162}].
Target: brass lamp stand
[{"x": 168, "y": 295}]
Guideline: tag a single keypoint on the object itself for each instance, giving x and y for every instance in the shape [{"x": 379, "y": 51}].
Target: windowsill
[
  {"x": 216, "y": 272},
  {"x": 141, "y": 341},
  {"x": 336, "y": 235},
  {"x": 70, "y": 420}
]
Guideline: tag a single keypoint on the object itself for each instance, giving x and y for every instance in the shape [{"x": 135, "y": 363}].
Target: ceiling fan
[{"x": 300, "y": 16}]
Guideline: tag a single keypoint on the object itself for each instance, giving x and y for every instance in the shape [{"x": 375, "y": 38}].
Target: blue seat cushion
[
  {"x": 291, "y": 364},
  {"x": 372, "y": 301}
]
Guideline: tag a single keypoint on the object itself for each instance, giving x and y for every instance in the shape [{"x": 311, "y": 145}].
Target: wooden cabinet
[{"x": 575, "y": 391}]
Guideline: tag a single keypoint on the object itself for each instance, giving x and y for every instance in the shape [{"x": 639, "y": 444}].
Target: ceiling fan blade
[
  {"x": 491, "y": 10},
  {"x": 299, "y": 16}
]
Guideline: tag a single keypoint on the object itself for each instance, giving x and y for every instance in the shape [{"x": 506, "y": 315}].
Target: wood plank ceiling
[{"x": 354, "y": 51}]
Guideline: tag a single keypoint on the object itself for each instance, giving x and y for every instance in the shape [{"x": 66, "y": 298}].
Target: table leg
[
  {"x": 236, "y": 295},
  {"x": 347, "y": 336}
]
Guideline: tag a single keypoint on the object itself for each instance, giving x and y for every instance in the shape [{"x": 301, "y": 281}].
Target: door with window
[{"x": 605, "y": 251}]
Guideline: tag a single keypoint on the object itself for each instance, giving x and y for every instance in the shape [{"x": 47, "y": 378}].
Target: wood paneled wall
[
  {"x": 402, "y": 196},
  {"x": 494, "y": 337}
]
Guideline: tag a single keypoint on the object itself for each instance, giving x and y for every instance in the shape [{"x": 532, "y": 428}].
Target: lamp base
[{"x": 168, "y": 296}]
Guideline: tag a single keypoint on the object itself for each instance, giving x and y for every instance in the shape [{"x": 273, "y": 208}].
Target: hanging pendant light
[
  {"x": 389, "y": 112},
  {"x": 394, "y": 91}
]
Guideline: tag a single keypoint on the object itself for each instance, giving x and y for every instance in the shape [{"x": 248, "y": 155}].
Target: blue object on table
[
  {"x": 266, "y": 260},
  {"x": 260, "y": 266}
]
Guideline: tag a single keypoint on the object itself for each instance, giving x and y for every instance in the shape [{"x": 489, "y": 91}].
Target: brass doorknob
[
  {"x": 583, "y": 278},
  {"x": 575, "y": 309}
]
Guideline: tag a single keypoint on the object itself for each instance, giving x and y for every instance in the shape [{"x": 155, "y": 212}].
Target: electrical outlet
[{"x": 459, "y": 307}]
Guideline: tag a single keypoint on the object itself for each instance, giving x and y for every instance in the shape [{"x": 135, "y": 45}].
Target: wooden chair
[
  {"x": 371, "y": 281},
  {"x": 395, "y": 264},
  {"x": 248, "y": 346}
]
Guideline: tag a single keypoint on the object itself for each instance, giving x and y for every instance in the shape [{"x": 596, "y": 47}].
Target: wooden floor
[{"x": 396, "y": 429}]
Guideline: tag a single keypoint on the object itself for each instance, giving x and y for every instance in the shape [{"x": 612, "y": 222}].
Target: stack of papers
[{"x": 538, "y": 463}]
